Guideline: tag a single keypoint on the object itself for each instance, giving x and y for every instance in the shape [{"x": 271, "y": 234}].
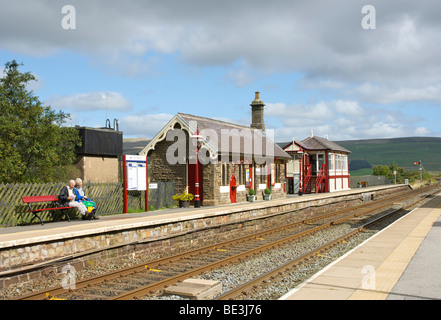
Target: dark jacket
[{"x": 62, "y": 197}]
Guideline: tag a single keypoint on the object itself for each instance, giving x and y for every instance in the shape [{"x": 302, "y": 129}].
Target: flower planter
[
  {"x": 184, "y": 204},
  {"x": 267, "y": 194},
  {"x": 251, "y": 196},
  {"x": 183, "y": 199}
]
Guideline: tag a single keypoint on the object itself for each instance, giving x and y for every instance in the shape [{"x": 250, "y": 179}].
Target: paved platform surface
[
  {"x": 24, "y": 235},
  {"x": 400, "y": 262}
]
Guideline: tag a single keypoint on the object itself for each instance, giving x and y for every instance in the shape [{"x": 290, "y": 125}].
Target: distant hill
[
  {"x": 365, "y": 153},
  {"x": 404, "y": 151},
  {"x": 133, "y": 146}
]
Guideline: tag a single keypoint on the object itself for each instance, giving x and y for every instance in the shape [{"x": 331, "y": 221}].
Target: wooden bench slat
[
  {"x": 33, "y": 199},
  {"x": 47, "y": 209},
  {"x": 37, "y": 199}
]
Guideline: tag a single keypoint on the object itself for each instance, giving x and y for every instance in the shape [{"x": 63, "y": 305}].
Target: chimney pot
[{"x": 257, "y": 113}]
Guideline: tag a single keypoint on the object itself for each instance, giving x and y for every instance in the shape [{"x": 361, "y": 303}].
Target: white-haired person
[
  {"x": 67, "y": 197},
  {"x": 81, "y": 197}
]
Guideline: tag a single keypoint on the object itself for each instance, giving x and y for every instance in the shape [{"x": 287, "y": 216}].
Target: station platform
[
  {"x": 53, "y": 231},
  {"x": 400, "y": 262},
  {"x": 25, "y": 248}
]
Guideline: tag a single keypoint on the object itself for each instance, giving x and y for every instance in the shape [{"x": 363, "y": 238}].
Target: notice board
[{"x": 135, "y": 175}]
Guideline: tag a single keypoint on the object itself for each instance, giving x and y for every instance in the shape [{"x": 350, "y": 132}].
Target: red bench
[{"x": 38, "y": 199}]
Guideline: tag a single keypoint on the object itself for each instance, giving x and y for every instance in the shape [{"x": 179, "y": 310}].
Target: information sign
[{"x": 135, "y": 172}]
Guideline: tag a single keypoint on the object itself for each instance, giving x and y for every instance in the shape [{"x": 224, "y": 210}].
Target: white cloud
[
  {"x": 327, "y": 45},
  {"x": 340, "y": 120},
  {"x": 323, "y": 42},
  {"x": 348, "y": 108},
  {"x": 240, "y": 78},
  {"x": 91, "y": 102},
  {"x": 144, "y": 125},
  {"x": 422, "y": 131},
  {"x": 393, "y": 93}
]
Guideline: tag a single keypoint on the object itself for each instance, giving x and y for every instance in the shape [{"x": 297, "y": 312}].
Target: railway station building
[
  {"x": 231, "y": 159},
  {"x": 318, "y": 165}
]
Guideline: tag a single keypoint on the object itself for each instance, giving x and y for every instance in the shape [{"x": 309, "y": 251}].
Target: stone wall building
[
  {"x": 232, "y": 158},
  {"x": 97, "y": 159}
]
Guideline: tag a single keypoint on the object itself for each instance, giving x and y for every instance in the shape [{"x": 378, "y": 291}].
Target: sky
[{"x": 337, "y": 67}]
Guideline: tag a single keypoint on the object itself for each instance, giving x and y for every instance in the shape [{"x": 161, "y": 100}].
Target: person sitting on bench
[
  {"x": 81, "y": 197},
  {"x": 67, "y": 198}
]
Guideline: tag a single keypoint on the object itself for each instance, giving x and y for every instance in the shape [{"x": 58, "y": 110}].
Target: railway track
[
  {"x": 153, "y": 276},
  {"x": 246, "y": 290}
]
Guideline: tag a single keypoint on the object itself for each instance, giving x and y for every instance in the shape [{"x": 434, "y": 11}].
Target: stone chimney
[{"x": 257, "y": 113}]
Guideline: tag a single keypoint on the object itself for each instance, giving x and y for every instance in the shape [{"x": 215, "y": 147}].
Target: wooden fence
[{"x": 108, "y": 196}]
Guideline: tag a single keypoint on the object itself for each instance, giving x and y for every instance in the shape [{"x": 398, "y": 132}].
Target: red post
[
  {"x": 197, "y": 200},
  {"x": 125, "y": 184},
  {"x": 327, "y": 182},
  {"x": 147, "y": 184},
  {"x": 251, "y": 168},
  {"x": 301, "y": 176}
]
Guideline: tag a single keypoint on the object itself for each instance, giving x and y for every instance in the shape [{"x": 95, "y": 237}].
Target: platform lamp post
[{"x": 197, "y": 143}]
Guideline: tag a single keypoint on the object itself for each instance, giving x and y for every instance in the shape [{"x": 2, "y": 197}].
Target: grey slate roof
[
  {"x": 318, "y": 143},
  {"x": 236, "y": 133}
]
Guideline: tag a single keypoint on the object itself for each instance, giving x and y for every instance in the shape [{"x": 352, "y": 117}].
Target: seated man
[
  {"x": 67, "y": 198},
  {"x": 81, "y": 197}
]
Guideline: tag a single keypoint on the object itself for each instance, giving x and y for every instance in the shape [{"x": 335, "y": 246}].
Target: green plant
[
  {"x": 35, "y": 146},
  {"x": 131, "y": 210},
  {"x": 267, "y": 190},
  {"x": 251, "y": 192},
  {"x": 183, "y": 196}
]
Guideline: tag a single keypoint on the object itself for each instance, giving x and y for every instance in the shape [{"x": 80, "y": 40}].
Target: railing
[
  {"x": 308, "y": 175},
  {"x": 320, "y": 181}
]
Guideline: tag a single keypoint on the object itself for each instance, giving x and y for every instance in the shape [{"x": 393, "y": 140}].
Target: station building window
[
  {"x": 274, "y": 172},
  {"x": 331, "y": 161}
]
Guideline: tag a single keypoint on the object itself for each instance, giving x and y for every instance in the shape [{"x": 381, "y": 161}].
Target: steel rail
[
  {"x": 172, "y": 280},
  {"x": 243, "y": 289},
  {"x": 53, "y": 292}
]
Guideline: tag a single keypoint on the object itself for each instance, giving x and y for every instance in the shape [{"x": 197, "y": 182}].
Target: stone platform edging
[{"x": 36, "y": 246}]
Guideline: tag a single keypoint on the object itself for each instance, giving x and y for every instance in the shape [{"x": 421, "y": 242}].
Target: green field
[
  {"x": 361, "y": 172},
  {"x": 404, "y": 151}
]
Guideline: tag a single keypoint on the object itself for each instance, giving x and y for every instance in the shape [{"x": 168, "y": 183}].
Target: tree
[
  {"x": 34, "y": 146},
  {"x": 388, "y": 172}
]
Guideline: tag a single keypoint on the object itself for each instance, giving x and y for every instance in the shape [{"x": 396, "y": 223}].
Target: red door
[{"x": 233, "y": 189}]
